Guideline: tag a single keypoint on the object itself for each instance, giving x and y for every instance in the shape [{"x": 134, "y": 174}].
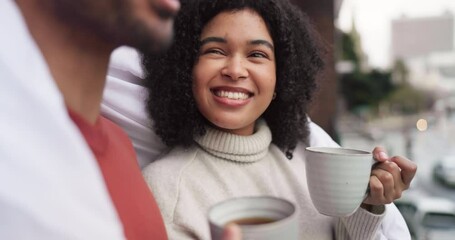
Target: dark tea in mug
[
  {"x": 259, "y": 217},
  {"x": 253, "y": 221}
]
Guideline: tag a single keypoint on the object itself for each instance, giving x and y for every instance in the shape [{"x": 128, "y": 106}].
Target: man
[{"x": 65, "y": 172}]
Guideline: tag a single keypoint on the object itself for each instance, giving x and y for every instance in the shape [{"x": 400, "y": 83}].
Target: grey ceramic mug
[
  {"x": 259, "y": 218},
  {"x": 337, "y": 178}
]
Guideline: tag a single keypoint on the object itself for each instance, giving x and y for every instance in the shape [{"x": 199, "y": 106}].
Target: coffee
[
  {"x": 259, "y": 217},
  {"x": 253, "y": 221}
]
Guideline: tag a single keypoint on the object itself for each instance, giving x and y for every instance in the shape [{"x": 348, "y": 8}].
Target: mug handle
[{"x": 367, "y": 192}]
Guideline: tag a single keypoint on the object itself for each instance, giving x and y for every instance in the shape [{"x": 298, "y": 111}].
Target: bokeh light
[{"x": 422, "y": 125}]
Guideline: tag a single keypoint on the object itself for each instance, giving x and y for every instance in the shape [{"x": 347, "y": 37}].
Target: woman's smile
[{"x": 232, "y": 97}]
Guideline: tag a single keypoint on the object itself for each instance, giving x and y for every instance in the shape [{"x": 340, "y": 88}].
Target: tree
[
  {"x": 400, "y": 72},
  {"x": 366, "y": 89}
]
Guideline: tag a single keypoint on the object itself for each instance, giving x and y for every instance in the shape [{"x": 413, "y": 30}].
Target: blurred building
[
  {"x": 416, "y": 37},
  {"x": 323, "y": 14},
  {"x": 426, "y": 46}
]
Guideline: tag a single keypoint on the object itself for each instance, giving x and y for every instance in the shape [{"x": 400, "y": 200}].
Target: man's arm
[
  {"x": 124, "y": 103},
  {"x": 50, "y": 185}
]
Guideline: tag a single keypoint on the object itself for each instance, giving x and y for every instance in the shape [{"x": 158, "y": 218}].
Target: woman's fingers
[
  {"x": 380, "y": 154},
  {"x": 408, "y": 169},
  {"x": 389, "y": 179},
  {"x": 232, "y": 232}
]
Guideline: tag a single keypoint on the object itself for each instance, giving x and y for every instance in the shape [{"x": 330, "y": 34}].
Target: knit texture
[
  {"x": 220, "y": 166},
  {"x": 242, "y": 149}
]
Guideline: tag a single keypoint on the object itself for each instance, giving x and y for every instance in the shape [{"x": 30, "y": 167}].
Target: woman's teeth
[{"x": 231, "y": 95}]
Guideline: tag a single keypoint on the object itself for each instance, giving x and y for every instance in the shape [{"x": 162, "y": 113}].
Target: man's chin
[
  {"x": 157, "y": 43},
  {"x": 152, "y": 39},
  {"x": 165, "y": 9}
]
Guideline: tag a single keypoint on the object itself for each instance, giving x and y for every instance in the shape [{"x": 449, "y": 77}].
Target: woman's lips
[{"x": 232, "y": 97}]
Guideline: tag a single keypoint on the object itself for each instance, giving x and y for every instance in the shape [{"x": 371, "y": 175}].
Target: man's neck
[{"x": 76, "y": 58}]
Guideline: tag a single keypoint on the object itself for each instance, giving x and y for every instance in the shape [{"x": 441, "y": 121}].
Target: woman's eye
[
  {"x": 214, "y": 51},
  {"x": 258, "y": 55}
]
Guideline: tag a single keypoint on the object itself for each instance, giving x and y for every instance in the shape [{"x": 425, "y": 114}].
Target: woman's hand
[
  {"x": 389, "y": 178},
  {"x": 232, "y": 232}
]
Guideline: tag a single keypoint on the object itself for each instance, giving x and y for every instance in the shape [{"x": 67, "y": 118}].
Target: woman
[{"x": 230, "y": 100}]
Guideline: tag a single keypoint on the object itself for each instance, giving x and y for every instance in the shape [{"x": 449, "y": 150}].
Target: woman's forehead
[{"x": 245, "y": 23}]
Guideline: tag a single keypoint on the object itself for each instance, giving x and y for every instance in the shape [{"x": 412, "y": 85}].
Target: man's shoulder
[{"x": 113, "y": 129}]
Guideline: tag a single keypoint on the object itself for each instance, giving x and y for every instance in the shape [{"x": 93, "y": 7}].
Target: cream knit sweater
[{"x": 187, "y": 182}]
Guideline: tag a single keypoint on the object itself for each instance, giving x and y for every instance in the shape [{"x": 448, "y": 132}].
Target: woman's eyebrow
[
  {"x": 252, "y": 42},
  {"x": 262, "y": 42},
  {"x": 213, "y": 39}
]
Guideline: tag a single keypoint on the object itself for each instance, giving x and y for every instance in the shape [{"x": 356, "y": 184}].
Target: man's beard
[
  {"x": 115, "y": 25},
  {"x": 144, "y": 39},
  {"x": 150, "y": 39}
]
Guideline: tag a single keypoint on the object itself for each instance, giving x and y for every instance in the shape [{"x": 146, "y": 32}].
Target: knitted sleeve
[
  {"x": 164, "y": 178},
  {"x": 362, "y": 225}
]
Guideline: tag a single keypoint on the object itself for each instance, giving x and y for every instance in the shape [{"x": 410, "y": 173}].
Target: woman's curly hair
[{"x": 298, "y": 55}]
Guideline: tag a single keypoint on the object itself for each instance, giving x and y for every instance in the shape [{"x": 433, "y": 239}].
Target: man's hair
[{"x": 298, "y": 55}]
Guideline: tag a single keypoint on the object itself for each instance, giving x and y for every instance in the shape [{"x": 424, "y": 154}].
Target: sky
[{"x": 373, "y": 21}]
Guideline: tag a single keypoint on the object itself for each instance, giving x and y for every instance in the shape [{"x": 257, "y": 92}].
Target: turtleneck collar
[{"x": 244, "y": 149}]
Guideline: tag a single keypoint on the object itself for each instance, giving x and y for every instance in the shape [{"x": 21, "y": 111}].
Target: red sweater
[{"x": 116, "y": 158}]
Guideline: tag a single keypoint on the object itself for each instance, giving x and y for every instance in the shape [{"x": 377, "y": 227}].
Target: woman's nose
[{"x": 235, "y": 69}]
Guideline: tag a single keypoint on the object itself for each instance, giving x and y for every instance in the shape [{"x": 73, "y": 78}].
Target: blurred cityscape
[
  {"x": 409, "y": 109},
  {"x": 406, "y": 105}
]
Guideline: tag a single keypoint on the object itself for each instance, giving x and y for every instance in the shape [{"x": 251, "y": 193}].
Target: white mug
[
  {"x": 337, "y": 179},
  {"x": 259, "y": 218}
]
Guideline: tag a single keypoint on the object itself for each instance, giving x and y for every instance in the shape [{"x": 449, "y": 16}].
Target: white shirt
[
  {"x": 124, "y": 104},
  {"x": 50, "y": 184}
]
